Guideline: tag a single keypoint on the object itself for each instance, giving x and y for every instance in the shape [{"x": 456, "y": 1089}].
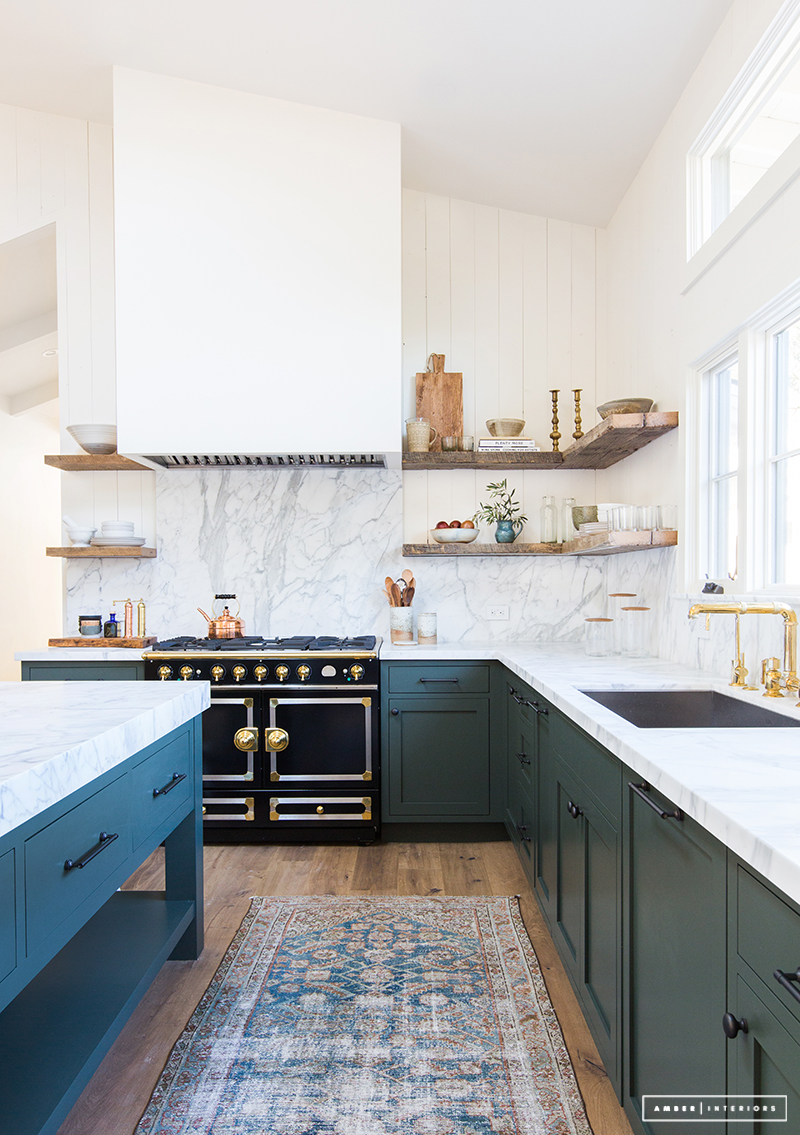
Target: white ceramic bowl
[
  {"x": 625, "y": 406},
  {"x": 505, "y": 427},
  {"x": 80, "y": 537},
  {"x": 111, "y": 526},
  {"x": 454, "y": 535},
  {"x": 95, "y": 439}
]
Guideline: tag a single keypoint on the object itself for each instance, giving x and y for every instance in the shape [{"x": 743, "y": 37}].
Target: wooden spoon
[
  {"x": 389, "y": 597},
  {"x": 396, "y": 600},
  {"x": 388, "y": 583},
  {"x": 408, "y": 595},
  {"x": 408, "y": 576}
]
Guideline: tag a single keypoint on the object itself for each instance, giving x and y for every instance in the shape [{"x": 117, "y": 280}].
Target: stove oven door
[
  {"x": 314, "y": 739},
  {"x": 231, "y": 747}
]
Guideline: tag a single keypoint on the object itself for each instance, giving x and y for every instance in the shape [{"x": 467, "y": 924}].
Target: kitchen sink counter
[
  {"x": 55, "y": 737},
  {"x": 742, "y": 785}
]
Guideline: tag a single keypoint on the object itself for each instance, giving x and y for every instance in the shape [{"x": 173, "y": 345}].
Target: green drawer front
[
  {"x": 52, "y": 893},
  {"x": 83, "y": 672},
  {"x": 600, "y": 771},
  {"x": 8, "y": 924},
  {"x": 768, "y": 935},
  {"x": 438, "y": 680},
  {"x": 157, "y": 789},
  {"x": 522, "y": 822}
]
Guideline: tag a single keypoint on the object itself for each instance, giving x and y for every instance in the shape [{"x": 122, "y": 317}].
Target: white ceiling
[{"x": 544, "y": 106}]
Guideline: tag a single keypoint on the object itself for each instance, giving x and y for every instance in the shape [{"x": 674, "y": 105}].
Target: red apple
[
  {"x": 455, "y": 523},
  {"x": 467, "y": 524},
  {"x": 442, "y": 524}
]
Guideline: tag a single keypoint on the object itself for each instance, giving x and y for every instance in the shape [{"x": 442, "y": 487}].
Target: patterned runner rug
[{"x": 372, "y": 1016}]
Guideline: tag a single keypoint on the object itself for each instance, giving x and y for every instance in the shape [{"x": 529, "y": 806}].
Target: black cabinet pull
[
  {"x": 105, "y": 840},
  {"x": 535, "y": 707},
  {"x": 515, "y": 696},
  {"x": 439, "y": 680},
  {"x": 573, "y": 810},
  {"x": 523, "y": 758},
  {"x": 394, "y": 712},
  {"x": 641, "y": 791},
  {"x": 731, "y": 1027},
  {"x": 786, "y": 979},
  {"x": 522, "y": 828},
  {"x": 177, "y": 777}
]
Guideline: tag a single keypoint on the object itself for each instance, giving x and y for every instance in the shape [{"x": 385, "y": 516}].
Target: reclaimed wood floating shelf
[
  {"x": 94, "y": 463},
  {"x": 100, "y": 641},
  {"x": 615, "y": 438},
  {"x": 93, "y": 552},
  {"x": 598, "y": 544}
]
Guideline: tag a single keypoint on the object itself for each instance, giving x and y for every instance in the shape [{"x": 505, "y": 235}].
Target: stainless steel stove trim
[
  {"x": 275, "y": 776},
  {"x": 249, "y": 774},
  {"x": 325, "y": 817},
  {"x": 248, "y": 802}
]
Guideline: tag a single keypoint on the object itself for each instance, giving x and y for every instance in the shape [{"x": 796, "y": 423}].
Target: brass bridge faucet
[{"x": 772, "y": 677}]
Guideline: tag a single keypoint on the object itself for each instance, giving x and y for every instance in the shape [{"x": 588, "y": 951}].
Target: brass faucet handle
[
  {"x": 771, "y": 677},
  {"x": 739, "y": 673}
]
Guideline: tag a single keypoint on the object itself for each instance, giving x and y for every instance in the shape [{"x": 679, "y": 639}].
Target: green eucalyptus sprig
[{"x": 502, "y": 507}]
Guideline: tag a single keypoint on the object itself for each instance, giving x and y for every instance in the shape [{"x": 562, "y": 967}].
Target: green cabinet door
[
  {"x": 764, "y": 1060},
  {"x": 82, "y": 671},
  {"x": 439, "y": 764},
  {"x": 675, "y": 971}
]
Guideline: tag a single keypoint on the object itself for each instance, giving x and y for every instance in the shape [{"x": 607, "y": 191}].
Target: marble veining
[
  {"x": 742, "y": 785},
  {"x": 55, "y": 737}
]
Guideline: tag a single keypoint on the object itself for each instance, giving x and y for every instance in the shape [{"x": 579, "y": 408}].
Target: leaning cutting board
[
  {"x": 102, "y": 643},
  {"x": 440, "y": 400}
]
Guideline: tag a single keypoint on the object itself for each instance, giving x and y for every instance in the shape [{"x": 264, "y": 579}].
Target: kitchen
[{"x": 520, "y": 305}]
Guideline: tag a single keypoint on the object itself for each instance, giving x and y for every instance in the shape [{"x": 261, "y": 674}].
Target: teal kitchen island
[{"x": 93, "y": 777}]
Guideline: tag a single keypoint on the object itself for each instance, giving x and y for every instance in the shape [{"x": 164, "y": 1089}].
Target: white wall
[
  {"x": 257, "y": 273},
  {"x": 516, "y": 303}
]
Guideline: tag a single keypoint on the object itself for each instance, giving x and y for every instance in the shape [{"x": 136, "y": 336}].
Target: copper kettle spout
[{"x": 205, "y": 616}]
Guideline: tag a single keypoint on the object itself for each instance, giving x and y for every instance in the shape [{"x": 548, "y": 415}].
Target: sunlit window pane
[
  {"x": 786, "y": 480},
  {"x": 721, "y": 498},
  {"x": 786, "y": 401}
]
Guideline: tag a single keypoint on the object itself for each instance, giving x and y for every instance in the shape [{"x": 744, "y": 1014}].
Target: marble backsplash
[{"x": 307, "y": 552}]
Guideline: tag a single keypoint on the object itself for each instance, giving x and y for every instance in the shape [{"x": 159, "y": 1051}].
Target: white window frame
[{"x": 776, "y": 53}]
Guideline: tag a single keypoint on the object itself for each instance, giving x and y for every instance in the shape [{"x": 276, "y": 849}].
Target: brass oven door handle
[
  {"x": 276, "y": 740},
  {"x": 246, "y": 739}
]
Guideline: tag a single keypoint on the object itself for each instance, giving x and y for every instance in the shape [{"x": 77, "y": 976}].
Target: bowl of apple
[{"x": 454, "y": 532}]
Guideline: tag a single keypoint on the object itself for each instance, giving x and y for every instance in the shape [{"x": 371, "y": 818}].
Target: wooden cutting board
[
  {"x": 440, "y": 400},
  {"x": 103, "y": 643}
]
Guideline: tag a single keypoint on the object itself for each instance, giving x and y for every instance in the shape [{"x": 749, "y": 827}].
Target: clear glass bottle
[
  {"x": 548, "y": 521},
  {"x": 568, "y": 529}
]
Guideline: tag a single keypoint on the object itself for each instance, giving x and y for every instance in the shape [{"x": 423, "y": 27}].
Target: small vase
[{"x": 504, "y": 533}]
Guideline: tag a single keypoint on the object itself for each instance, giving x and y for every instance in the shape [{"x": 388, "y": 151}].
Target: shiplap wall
[
  {"x": 58, "y": 171},
  {"x": 514, "y": 302}
]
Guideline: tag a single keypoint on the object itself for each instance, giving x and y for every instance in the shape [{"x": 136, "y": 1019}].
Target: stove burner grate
[{"x": 255, "y": 643}]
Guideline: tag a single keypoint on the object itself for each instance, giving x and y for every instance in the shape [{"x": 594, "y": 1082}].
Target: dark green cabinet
[
  {"x": 675, "y": 971},
  {"x": 440, "y": 747},
  {"x": 523, "y": 715},
  {"x": 77, "y": 671}
]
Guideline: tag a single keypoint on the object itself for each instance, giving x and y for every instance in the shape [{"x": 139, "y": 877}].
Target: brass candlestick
[
  {"x": 555, "y": 435},
  {"x": 578, "y": 431}
]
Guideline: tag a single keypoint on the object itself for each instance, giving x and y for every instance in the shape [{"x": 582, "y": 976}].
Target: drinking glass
[
  {"x": 466, "y": 443},
  {"x": 449, "y": 444},
  {"x": 597, "y": 637},
  {"x": 668, "y": 517}
]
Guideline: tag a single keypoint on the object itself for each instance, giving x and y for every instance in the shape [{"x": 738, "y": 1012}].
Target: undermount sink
[{"x": 688, "y": 709}]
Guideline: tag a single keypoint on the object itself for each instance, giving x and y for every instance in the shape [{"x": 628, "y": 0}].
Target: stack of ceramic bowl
[
  {"x": 118, "y": 534},
  {"x": 95, "y": 439}
]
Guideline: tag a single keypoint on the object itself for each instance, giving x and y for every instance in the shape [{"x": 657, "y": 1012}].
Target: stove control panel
[{"x": 251, "y": 672}]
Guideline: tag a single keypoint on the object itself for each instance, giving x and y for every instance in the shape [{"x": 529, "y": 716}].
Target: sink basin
[{"x": 689, "y": 709}]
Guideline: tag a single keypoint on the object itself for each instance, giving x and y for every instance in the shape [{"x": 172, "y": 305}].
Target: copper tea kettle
[{"x": 225, "y": 625}]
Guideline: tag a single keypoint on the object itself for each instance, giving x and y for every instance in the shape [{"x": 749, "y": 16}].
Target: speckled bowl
[
  {"x": 505, "y": 427},
  {"x": 625, "y": 406},
  {"x": 454, "y": 535}
]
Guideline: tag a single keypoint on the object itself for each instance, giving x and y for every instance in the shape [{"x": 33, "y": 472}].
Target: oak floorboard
[{"x": 118, "y": 1093}]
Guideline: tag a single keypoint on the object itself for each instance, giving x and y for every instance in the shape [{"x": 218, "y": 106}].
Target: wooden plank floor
[{"x": 116, "y": 1096}]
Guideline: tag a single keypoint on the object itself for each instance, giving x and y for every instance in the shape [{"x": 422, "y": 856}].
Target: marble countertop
[
  {"x": 742, "y": 785},
  {"x": 81, "y": 654},
  {"x": 56, "y": 737}
]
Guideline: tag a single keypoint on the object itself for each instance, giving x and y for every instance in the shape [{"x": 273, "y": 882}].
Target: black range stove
[{"x": 291, "y": 748}]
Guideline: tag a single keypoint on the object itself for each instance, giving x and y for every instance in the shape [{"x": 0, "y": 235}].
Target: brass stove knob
[
  {"x": 303, "y": 672},
  {"x": 356, "y": 672},
  {"x": 164, "y": 672},
  {"x": 217, "y": 673},
  {"x": 320, "y": 810},
  {"x": 281, "y": 672},
  {"x": 260, "y": 673},
  {"x": 238, "y": 673},
  {"x": 186, "y": 673}
]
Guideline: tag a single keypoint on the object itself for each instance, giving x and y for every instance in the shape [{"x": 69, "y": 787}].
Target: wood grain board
[
  {"x": 440, "y": 400},
  {"x": 597, "y": 544},
  {"x": 93, "y": 552},
  {"x": 101, "y": 643},
  {"x": 90, "y": 463}
]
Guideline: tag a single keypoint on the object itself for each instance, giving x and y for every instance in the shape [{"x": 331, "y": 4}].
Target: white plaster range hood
[{"x": 258, "y": 287}]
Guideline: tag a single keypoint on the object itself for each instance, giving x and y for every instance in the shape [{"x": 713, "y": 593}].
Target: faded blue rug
[{"x": 372, "y": 1016}]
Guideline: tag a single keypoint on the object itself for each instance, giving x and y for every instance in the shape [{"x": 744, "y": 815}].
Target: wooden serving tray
[{"x": 100, "y": 641}]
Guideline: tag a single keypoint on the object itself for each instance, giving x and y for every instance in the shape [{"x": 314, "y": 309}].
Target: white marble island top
[
  {"x": 55, "y": 737},
  {"x": 742, "y": 785}
]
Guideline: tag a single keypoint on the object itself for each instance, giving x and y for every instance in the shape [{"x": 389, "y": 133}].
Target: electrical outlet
[{"x": 497, "y": 613}]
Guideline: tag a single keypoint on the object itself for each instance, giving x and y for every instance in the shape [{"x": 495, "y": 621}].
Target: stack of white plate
[
  {"x": 592, "y": 527},
  {"x": 118, "y": 534}
]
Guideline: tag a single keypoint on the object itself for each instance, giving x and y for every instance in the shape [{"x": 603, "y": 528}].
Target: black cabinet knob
[
  {"x": 395, "y": 712},
  {"x": 573, "y": 810},
  {"x": 731, "y": 1027}
]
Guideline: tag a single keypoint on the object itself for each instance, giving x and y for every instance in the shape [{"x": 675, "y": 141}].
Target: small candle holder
[
  {"x": 555, "y": 436},
  {"x": 578, "y": 431}
]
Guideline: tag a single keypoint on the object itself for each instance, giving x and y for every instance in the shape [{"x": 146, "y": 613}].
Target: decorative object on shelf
[
  {"x": 80, "y": 537},
  {"x": 111, "y": 627},
  {"x": 90, "y": 625},
  {"x": 95, "y": 439},
  {"x": 555, "y": 436},
  {"x": 128, "y": 617},
  {"x": 449, "y": 444},
  {"x": 141, "y": 630},
  {"x": 548, "y": 521},
  {"x": 400, "y": 592},
  {"x": 454, "y": 535},
  {"x": 507, "y": 445},
  {"x": 401, "y": 625},
  {"x": 584, "y": 514},
  {"x": 625, "y": 406},
  {"x": 502, "y": 511},
  {"x": 440, "y": 399},
  {"x": 578, "y": 433},
  {"x": 426, "y": 628},
  {"x": 568, "y": 525},
  {"x": 505, "y": 427},
  {"x": 466, "y": 443},
  {"x": 421, "y": 435}
]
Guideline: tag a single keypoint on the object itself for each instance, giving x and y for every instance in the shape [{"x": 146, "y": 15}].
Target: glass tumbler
[
  {"x": 616, "y": 601},
  {"x": 635, "y": 631},
  {"x": 597, "y": 637},
  {"x": 449, "y": 444}
]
